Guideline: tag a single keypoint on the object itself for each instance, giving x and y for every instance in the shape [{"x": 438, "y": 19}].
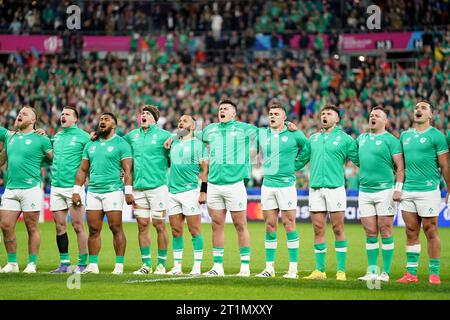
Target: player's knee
[
  {"x": 177, "y": 232},
  {"x": 241, "y": 227},
  {"x": 338, "y": 230},
  {"x": 94, "y": 231},
  {"x": 431, "y": 231},
  {"x": 385, "y": 231},
  {"x": 78, "y": 227},
  {"x": 115, "y": 227},
  {"x": 60, "y": 228},
  {"x": 159, "y": 225},
  {"x": 271, "y": 227}
]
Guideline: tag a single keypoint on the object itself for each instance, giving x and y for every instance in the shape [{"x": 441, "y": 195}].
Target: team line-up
[{"x": 135, "y": 169}]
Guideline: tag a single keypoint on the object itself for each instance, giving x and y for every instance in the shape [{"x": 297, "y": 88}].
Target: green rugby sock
[
  {"x": 218, "y": 255},
  {"x": 32, "y": 258},
  {"x": 412, "y": 258},
  {"x": 12, "y": 257},
  {"x": 178, "y": 246},
  {"x": 341, "y": 254},
  {"x": 120, "y": 259},
  {"x": 293, "y": 245},
  {"x": 64, "y": 258},
  {"x": 93, "y": 259},
  {"x": 245, "y": 255},
  {"x": 197, "y": 243},
  {"x": 372, "y": 250},
  {"x": 320, "y": 251},
  {"x": 82, "y": 259},
  {"x": 435, "y": 266},
  {"x": 387, "y": 252},
  {"x": 271, "y": 246},
  {"x": 146, "y": 256},
  {"x": 162, "y": 257}
]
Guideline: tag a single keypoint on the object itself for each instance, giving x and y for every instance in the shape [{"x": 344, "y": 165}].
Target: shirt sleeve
[
  {"x": 46, "y": 145},
  {"x": 352, "y": 151},
  {"x": 300, "y": 138},
  {"x": 3, "y": 133},
  {"x": 304, "y": 156},
  {"x": 127, "y": 138},
  {"x": 440, "y": 143},
  {"x": 126, "y": 151},
  {"x": 85, "y": 152},
  {"x": 448, "y": 139},
  {"x": 395, "y": 146}
]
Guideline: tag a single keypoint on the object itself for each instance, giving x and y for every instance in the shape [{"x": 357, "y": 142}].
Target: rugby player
[
  {"x": 68, "y": 146},
  {"x": 102, "y": 160},
  {"x": 280, "y": 148},
  {"x": 188, "y": 159},
  {"x": 150, "y": 192},
  {"x": 379, "y": 155},
  {"x": 426, "y": 151},
  {"x": 328, "y": 150},
  {"x": 25, "y": 151}
]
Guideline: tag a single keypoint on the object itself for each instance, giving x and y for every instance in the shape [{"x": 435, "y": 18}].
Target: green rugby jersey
[
  {"x": 421, "y": 150},
  {"x": 25, "y": 154},
  {"x": 448, "y": 138},
  {"x": 151, "y": 159},
  {"x": 3, "y": 134},
  {"x": 105, "y": 158},
  {"x": 68, "y": 146},
  {"x": 185, "y": 158},
  {"x": 229, "y": 155},
  {"x": 279, "y": 150},
  {"x": 376, "y": 166},
  {"x": 327, "y": 153}
]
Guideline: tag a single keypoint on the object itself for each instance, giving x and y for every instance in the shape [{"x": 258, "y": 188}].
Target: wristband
[
  {"x": 399, "y": 186},
  {"x": 76, "y": 189},
  {"x": 128, "y": 189},
  {"x": 204, "y": 187}
]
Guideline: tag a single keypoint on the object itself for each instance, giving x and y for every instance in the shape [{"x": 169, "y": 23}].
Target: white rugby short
[
  {"x": 23, "y": 200},
  {"x": 232, "y": 197},
  {"x": 327, "y": 199}
]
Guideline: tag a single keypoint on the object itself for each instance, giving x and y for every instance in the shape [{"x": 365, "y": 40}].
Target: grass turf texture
[{"x": 107, "y": 286}]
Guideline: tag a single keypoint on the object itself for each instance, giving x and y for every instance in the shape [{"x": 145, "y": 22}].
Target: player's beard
[
  {"x": 103, "y": 133},
  {"x": 182, "y": 132}
]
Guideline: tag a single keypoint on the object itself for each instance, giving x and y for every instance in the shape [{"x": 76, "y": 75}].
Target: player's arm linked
[
  {"x": 80, "y": 179},
  {"x": 127, "y": 167}
]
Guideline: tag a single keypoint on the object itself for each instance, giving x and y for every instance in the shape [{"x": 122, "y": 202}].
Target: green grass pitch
[{"x": 128, "y": 286}]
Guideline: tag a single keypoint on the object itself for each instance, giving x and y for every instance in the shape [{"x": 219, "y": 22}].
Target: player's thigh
[
  {"x": 370, "y": 225},
  {"x": 288, "y": 217},
  {"x": 336, "y": 199},
  {"x": 316, "y": 201},
  {"x": 268, "y": 199},
  {"x": 112, "y": 201},
  {"x": 271, "y": 219},
  {"x": 214, "y": 197},
  {"x": 428, "y": 203},
  {"x": 235, "y": 197},
  {"x": 8, "y": 219},
  {"x": 176, "y": 222},
  {"x": 158, "y": 199},
  {"x": 189, "y": 202},
  {"x": 11, "y": 201},
  {"x": 286, "y": 198},
  {"x": 94, "y": 220},
  {"x": 239, "y": 219},
  {"x": 319, "y": 221},
  {"x": 114, "y": 219},
  {"x": 31, "y": 219},
  {"x": 217, "y": 216},
  {"x": 367, "y": 208},
  {"x": 384, "y": 204},
  {"x": 60, "y": 217},
  {"x": 194, "y": 223},
  {"x": 412, "y": 222}
]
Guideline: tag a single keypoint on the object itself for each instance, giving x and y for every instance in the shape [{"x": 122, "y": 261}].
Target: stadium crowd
[{"x": 123, "y": 17}]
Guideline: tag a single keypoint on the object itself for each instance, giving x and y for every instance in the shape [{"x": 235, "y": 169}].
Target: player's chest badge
[
  {"x": 284, "y": 139},
  {"x": 378, "y": 142},
  {"x": 422, "y": 140},
  {"x": 110, "y": 148}
]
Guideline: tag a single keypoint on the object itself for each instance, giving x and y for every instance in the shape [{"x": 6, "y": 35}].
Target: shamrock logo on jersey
[
  {"x": 431, "y": 210},
  {"x": 240, "y": 204},
  {"x": 339, "y": 204},
  {"x": 28, "y": 141},
  {"x": 289, "y": 203},
  {"x": 115, "y": 204},
  {"x": 422, "y": 140},
  {"x": 160, "y": 204},
  {"x": 33, "y": 206},
  {"x": 110, "y": 148},
  {"x": 192, "y": 209},
  {"x": 284, "y": 139},
  {"x": 92, "y": 149}
]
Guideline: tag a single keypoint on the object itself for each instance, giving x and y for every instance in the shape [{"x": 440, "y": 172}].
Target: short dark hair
[
  {"x": 74, "y": 111},
  {"x": 277, "y": 105},
  {"x": 111, "y": 115},
  {"x": 228, "y": 101},
  {"x": 427, "y": 102},
  {"x": 331, "y": 107},
  {"x": 379, "y": 108},
  {"x": 153, "y": 110}
]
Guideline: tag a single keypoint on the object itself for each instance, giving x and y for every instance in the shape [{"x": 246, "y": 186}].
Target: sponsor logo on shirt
[
  {"x": 378, "y": 142},
  {"x": 336, "y": 143},
  {"x": 28, "y": 141},
  {"x": 92, "y": 149},
  {"x": 110, "y": 148},
  {"x": 407, "y": 140}
]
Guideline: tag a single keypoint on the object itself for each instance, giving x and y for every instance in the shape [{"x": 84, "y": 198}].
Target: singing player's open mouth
[{"x": 222, "y": 116}]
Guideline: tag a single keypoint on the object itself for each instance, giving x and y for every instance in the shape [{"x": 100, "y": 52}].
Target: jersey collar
[{"x": 226, "y": 124}]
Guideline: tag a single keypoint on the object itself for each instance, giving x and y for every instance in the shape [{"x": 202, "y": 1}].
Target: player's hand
[
  {"x": 129, "y": 199},
  {"x": 76, "y": 199},
  {"x": 291, "y": 126},
  {"x": 93, "y": 136},
  {"x": 397, "y": 196},
  {"x": 41, "y": 132},
  {"x": 168, "y": 143},
  {"x": 202, "y": 198}
]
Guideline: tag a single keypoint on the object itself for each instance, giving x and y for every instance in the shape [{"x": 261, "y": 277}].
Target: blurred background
[{"x": 184, "y": 56}]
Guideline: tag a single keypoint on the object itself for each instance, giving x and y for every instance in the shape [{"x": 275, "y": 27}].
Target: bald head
[{"x": 26, "y": 118}]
